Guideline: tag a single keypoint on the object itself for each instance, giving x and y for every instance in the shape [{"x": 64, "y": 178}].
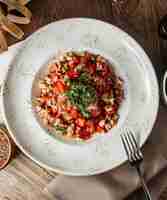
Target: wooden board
[{"x": 23, "y": 179}]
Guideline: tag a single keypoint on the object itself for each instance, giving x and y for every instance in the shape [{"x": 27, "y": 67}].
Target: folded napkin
[{"x": 113, "y": 185}]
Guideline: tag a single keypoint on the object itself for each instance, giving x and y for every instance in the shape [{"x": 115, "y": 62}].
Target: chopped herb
[
  {"x": 82, "y": 94},
  {"x": 65, "y": 67},
  {"x": 59, "y": 128},
  {"x": 66, "y": 79},
  {"x": 84, "y": 112},
  {"x": 84, "y": 78}
]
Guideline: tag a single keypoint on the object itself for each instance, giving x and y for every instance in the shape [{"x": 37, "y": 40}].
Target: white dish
[{"x": 138, "y": 111}]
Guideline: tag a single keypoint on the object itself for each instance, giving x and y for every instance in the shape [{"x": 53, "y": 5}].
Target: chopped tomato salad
[{"x": 79, "y": 96}]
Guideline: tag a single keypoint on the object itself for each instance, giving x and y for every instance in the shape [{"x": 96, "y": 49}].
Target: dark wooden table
[{"x": 142, "y": 24}]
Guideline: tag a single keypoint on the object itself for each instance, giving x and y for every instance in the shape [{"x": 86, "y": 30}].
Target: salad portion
[{"x": 79, "y": 96}]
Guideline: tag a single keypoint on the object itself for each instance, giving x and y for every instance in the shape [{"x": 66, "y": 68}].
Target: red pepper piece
[{"x": 73, "y": 74}]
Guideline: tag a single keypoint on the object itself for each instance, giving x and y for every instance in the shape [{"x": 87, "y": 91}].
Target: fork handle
[{"x": 144, "y": 186}]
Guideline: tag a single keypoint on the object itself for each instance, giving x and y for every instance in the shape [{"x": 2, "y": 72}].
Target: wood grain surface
[
  {"x": 142, "y": 23},
  {"x": 23, "y": 179}
]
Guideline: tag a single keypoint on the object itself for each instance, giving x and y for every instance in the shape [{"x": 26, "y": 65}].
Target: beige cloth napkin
[{"x": 115, "y": 184}]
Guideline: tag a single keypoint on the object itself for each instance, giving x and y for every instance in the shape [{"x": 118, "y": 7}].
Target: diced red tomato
[
  {"x": 95, "y": 113},
  {"x": 74, "y": 62},
  {"x": 74, "y": 113},
  {"x": 99, "y": 129},
  {"x": 92, "y": 68},
  {"x": 68, "y": 108},
  {"x": 85, "y": 135},
  {"x": 90, "y": 126},
  {"x": 94, "y": 110},
  {"x": 77, "y": 130},
  {"x": 101, "y": 123},
  {"x": 59, "y": 87},
  {"x": 80, "y": 122},
  {"x": 54, "y": 111},
  {"x": 73, "y": 74},
  {"x": 45, "y": 99},
  {"x": 104, "y": 70},
  {"x": 55, "y": 115}
]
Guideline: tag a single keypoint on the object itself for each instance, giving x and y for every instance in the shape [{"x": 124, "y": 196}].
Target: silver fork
[{"x": 135, "y": 157}]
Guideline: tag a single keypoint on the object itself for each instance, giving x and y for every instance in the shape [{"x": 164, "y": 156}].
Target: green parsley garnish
[
  {"x": 65, "y": 68},
  {"x": 59, "y": 128},
  {"x": 82, "y": 94},
  {"x": 84, "y": 78}
]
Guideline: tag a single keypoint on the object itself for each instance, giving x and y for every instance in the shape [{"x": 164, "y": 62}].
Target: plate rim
[{"x": 40, "y": 163}]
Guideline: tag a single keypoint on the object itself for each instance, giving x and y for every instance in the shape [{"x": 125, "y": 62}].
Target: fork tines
[{"x": 131, "y": 147}]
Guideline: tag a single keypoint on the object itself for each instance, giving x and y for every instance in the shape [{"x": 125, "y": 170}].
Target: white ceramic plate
[{"x": 137, "y": 112}]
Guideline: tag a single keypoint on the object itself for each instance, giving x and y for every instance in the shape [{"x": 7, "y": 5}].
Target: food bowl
[
  {"x": 100, "y": 153},
  {"x": 65, "y": 119}
]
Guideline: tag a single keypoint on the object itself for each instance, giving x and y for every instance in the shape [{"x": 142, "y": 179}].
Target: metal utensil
[
  {"x": 163, "y": 34},
  {"x": 135, "y": 157}
]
